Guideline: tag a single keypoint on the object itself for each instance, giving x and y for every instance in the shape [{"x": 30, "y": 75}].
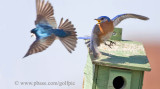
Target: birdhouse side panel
[
  {"x": 88, "y": 74},
  {"x": 137, "y": 79}
]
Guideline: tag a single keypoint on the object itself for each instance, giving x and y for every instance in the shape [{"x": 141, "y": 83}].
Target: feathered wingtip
[
  {"x": 70, "y": 41},
  {"x": 45, "y": 13},
  {"x": 116, "y": 20},
  {"x": 137, "y": 16},
  {"x": 25, "y": 56},
  {"x": 40, "y": 45},
  {"x": 85, "y": 38}
]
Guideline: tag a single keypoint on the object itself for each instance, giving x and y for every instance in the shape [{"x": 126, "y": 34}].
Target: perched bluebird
[
  {"x": 46, "y": 30},
  {"x": 103, "y": 30}
]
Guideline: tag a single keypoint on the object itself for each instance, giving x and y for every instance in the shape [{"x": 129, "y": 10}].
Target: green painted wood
[
  {"x": 126, "y": 58},
  {"x": 95, "y": 77},
  {"x": 141, "y": 80},
  {"x": 89, "y": 67},
  {"x": 103, "y": 73},
  {"x": 88, "y": 74},
  {"x": 102, "y": 78},
  {"x": 106, "y": 75},
  {"x": 137, "y": 79},
  {"x": 126, "y": 74},
  {"x": 117, "y": 34},
  {"x": 125, "y": 54}
]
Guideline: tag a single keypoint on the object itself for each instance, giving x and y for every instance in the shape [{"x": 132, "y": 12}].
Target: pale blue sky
[{"x": 56, "y": 64}]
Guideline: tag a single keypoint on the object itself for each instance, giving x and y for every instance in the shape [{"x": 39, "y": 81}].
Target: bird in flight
[
  {"x": 103, "y": 30},
  {"x": 46, "y": 30}
]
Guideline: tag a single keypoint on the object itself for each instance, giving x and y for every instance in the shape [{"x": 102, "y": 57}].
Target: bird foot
[{"x": 111, "y": 43}]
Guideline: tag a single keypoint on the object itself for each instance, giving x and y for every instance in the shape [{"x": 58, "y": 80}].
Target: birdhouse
[{"x": 119, "y": 67}]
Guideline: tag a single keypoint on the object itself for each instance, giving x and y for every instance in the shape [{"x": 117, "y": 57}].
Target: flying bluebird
[
  {"x": 103, "y": 30},
  {"x": 46, "y": 30}
]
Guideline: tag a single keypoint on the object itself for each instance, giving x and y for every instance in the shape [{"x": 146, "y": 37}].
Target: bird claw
[
  {"x": 111, "y": 43},
  {"x": 108, "y": 45}
]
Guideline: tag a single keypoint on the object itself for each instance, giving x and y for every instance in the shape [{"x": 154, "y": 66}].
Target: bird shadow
[{"x": 136, "y": 59}]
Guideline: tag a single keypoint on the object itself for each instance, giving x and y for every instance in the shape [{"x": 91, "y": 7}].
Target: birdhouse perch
[{"x": 119, "y": 67}]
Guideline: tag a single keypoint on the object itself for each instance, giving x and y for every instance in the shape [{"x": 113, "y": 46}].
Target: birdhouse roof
[{"x": 125, "y": 54}]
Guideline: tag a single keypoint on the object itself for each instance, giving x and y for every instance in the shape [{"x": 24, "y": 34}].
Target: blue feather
[
  {"x": 42, "y": 31},
  {"x": 108, "y": 19},
  {"x": 60, "y": 32},
  {"x": 85, "y": 38},
  {"x": 117, "y": 16}
]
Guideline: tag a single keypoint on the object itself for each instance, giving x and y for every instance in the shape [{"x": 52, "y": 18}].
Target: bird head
[
  {"x": 102, "y": 19},
  {"x": 33, "y": 32}
]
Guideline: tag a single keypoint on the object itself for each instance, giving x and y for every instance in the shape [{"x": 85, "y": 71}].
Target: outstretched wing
[
  {"x": 69, "y": 41},
  {"x": 40, "y": 44},
  {"x": 85, "y": 38},
  {"x": 116, "y": 20},
  {"x": 94, "y": 41},
  {"x": 94, "y": 35},
  {"x": 45, "y": 14}
]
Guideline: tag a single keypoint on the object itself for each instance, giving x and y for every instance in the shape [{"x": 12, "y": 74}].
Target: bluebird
[
  {"x": 46, "y": 30},
  {"x": 103, "y": 30}
]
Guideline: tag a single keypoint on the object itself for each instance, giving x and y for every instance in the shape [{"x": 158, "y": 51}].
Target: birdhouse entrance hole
[{"x": 118, "y": 82}]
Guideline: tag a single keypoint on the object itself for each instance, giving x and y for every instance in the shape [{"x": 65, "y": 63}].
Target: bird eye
[
  {"x": 102, "y": 18},
  {"x": 33, "y": 30}
]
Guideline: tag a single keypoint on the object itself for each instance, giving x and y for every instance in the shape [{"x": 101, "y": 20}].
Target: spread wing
[
  {"x": 94, "y": 41},
  {"x": 94, "y": 35},
  {"x": 116, "y": 20},
  {"x": 40, "y": 44},
  {"x": 70, "y": 40},
  {"x": 45, "y": 14}
]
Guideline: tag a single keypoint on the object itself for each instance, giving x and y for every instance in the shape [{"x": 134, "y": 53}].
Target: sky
[{"x": 56, "y": 64}]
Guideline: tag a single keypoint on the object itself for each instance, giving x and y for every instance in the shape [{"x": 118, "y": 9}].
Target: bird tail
[
  {"x": 85, "y": 38},
  {"x": 69, "y": 41}
]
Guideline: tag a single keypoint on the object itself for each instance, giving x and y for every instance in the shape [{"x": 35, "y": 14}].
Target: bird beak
[
  {"x": 99, "y": 21},
  {"x": 32, "y": 35}
]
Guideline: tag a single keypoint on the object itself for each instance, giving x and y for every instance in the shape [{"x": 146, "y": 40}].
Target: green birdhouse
[{"x": 119, "y": 67}]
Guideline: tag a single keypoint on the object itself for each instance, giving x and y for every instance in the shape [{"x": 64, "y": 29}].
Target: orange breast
[{"x": 105, "y": 29}]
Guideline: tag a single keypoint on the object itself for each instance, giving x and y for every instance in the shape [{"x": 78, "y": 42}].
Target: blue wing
[
  {"x": 40, "y": 44},
  {"x": 94, "y": 42},
  {"x": 46, "y": 31},
  {"x": 45, "y": 22},
  {"x": 116, "y": 20},
  {"x": 65, "y": 32},
  {"x": 45, "y": 14}
]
